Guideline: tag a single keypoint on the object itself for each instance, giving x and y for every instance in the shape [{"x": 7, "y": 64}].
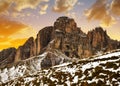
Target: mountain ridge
[{"x": 65, "y": 37}]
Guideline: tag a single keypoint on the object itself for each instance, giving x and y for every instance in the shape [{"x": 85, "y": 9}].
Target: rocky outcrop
[
  {"x": 67, "y": 38},
  {"x": 54, "y": 57},
  {"x": 7, "y": 56},
  {"x": 43, "y": 38},
  {"x": 100, "y": 41},
  {"x": 34, "y": 47},
  {"x": 74, "y": 43},
  {"x": 26, "y": 51},
  {"x": 98, "y": 38}
]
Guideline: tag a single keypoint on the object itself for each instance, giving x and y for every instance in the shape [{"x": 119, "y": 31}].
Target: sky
[{"x": 21, "y": 19}]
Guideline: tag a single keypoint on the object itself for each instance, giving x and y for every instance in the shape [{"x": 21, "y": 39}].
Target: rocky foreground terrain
[
  {"x": 65, "y": 37},
  {"x": 101, "y": 70}
]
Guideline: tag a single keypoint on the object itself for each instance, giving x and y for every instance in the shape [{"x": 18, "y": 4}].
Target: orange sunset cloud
[{"x": 13, "y": 34}]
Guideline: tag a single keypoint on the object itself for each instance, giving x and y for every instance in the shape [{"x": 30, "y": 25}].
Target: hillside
[{"x": 100, "y": 70}]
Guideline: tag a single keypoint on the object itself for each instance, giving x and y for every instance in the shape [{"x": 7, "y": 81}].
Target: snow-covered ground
[
  {"x": 29, "y": 66},
  {"x": 7, "y": 74},
  {"x": 99, "y": 71}
]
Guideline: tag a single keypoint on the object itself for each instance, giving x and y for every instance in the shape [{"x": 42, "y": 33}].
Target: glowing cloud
[
  {"x": 4, "y": 5},
  {"x": 107, "y": 21},
  {"x": 23, "y": 4},
  {"x": 23, "y": 33},
  {"x": 64, "y": 5},
  {"x": 8, "y": 27},
  {"x": 71, "y": 14},
  {"x": 115, "y": 7},
  {"x": 18, "y": 5},
  {"x": 43, "y": 9},
  {"x": 10, "y": 31},
  {"x": 97, "y": 11},
  {"x": 100, "y": 11}
]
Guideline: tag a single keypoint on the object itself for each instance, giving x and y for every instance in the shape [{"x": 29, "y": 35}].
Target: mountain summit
[{"x": 66, "y": 38}]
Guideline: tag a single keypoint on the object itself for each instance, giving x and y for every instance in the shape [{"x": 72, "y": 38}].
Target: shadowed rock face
[
  {"x": 25, "y": 51},
  {"x": 7, "y": 56},
  {"x": 43, "y": 38},
  {"x": 66, "y": 37},
  {"x": 34, "y": 47},
  {"x": 54, "y": 57}
]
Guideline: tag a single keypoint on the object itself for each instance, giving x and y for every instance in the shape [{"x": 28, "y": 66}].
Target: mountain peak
[
  {"x": 67, "y": 38},
  {"x": 99, "y": 29},
  {"x": 65, "y": 24}
]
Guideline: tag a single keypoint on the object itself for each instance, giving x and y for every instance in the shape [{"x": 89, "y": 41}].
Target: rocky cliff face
[
  {"x": 25, "y": 51},
  {"x": 66, "y": 37},
  {"x": 34, "y": 47},
  {"x": 43, "y": 38},
  {"x": 99, "y": 40},
  {"x": 74, "y": 43},
  {"x": 7, "y": 56}
]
